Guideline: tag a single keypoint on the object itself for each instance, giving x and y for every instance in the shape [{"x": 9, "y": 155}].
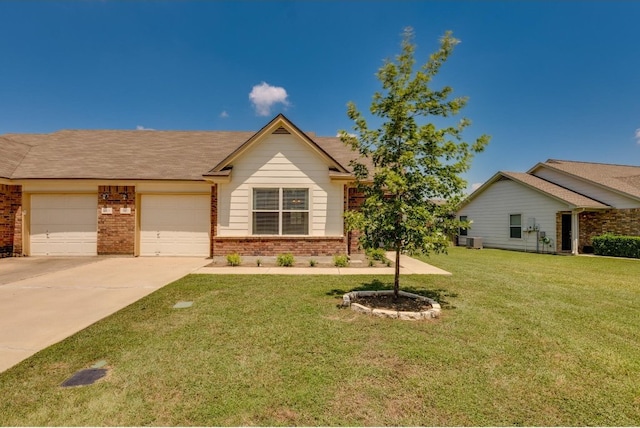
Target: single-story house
[
  {"x": 556, "y": 206},
  {"x": 175, "y": 193}
]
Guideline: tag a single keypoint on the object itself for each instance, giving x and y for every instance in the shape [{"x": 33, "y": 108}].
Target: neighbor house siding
[
  {"x": 280, "y": 161},
  {"x": 582, "y": 187},
  {"x": 490, "y": 212}
]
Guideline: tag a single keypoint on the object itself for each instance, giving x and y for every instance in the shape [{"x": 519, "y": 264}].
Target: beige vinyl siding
[
  {"x": 490, "y": 212},
  {"x": 281, "y": 161},
  {"x": 585, "y": 188}
]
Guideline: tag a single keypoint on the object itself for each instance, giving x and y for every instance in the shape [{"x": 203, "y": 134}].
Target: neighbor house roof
[
  {"x": 624, "y": 179},
  {"x": 143, "y": 155},
  {"x": 571, "y": 198}
]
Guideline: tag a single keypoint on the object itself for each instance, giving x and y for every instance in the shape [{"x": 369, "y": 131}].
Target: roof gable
[
  {"x": 278, "y": 125},
  {"x": 567, "y": 196}
]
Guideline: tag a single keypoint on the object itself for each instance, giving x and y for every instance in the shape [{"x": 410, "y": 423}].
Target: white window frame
[
  {"x": 463, "y": 231},
  {"x": 512, "y": 226},
  {"x": 280, "y": 209}
]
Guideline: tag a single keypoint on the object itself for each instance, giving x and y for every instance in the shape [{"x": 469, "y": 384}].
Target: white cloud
[
  {"x": 476, "y": 186},
  {"x": 264, "y": 96},
  {"x": 224, "y": 114},
  {"x": 142, "y": 128},
  {"x": 638, "y": 135},
  {"x": 339, "y": 134}
]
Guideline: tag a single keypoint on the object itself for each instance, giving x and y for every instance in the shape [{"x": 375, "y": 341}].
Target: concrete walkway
[
  {"x": 41, "y": 305},
  {"x": 408, "y": 266}
]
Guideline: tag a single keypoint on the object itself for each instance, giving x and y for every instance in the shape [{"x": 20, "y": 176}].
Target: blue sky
[{"x": 544, "y": 79}]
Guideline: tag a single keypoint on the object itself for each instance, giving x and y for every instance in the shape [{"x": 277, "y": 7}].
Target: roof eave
[{"x": 586, "y": 180}]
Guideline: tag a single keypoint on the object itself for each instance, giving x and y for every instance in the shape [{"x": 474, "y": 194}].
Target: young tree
[{"x": 415, "y": 183}]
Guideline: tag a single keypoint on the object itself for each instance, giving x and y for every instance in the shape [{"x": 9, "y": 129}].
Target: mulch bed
[{"x": 403, "y": 303}]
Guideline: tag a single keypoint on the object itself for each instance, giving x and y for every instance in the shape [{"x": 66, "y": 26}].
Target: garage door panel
[
  {"x": 175, "y": 225},
  {"x": 64, "y": 225}
]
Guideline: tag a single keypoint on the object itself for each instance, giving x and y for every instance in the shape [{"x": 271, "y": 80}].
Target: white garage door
[
  {"x": 175, "y": 225},
  {"x": 64, "y": 225}
]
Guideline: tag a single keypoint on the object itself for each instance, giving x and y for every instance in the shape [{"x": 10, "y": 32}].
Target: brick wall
[
  {"x": 214, "y": 217},
  {"x": 353, "y": 201},
  {"x": 272, "y": 246},
  {"x": 621, "y": 222},
  {"x": 10, "y": 220},
  {"x": 116, "y": 231}
]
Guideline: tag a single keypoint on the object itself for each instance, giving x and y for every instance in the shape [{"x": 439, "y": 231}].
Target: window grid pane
[
  {"x": 295, "y": 223},
  {"x": 266, "y": 199},
  {"x": 295, "y": 199},
  {"x": 265, "y": 223}
]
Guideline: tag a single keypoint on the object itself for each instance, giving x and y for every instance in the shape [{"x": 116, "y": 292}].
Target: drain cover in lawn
[
  {"x": 182, "y": 305},
  {"x": 85, "y": 377}
]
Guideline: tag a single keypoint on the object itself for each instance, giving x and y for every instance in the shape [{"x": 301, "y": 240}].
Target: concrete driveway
[{"x": 46, "y": 299}]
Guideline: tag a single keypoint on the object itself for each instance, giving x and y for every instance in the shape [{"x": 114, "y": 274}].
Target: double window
[
  {"x": 280, "y": 211},
  {"x": 515, "y": 226}
]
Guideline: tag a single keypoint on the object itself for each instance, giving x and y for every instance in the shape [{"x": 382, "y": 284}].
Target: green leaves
[{"x": 414, "y": 163}]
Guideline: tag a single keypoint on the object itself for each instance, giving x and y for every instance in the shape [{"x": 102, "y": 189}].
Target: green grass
[{"x": 524, "y": 339}]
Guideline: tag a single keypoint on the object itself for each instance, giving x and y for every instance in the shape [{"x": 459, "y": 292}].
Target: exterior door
[
  {"x": 175, "y": 225},
  {"x": 64, "y": 225},
  {"x": 566, "y": 232}
]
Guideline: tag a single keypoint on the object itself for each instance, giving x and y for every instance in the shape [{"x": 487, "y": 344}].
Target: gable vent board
[{"x": 281, "y": 130}]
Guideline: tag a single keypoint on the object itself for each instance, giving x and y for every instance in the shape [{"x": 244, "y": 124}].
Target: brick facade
[
  {"x": 117, "y": 228},
  {"x": 619, "y": 221},
  {"x": 10, "y": 220},
  {"x": 272, "y": 246},
  {"x": 353, "y": 201},
  {"x": 214, "y": 219}
]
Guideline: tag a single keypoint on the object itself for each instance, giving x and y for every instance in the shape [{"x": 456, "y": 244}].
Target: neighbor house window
[
  {"x": 280, "y": 211},
  {"x": 515, "y": 226},
  {"x": 463, "y": 230}
]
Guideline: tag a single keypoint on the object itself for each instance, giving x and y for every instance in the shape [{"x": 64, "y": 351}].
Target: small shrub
[
  {"x": 340, "y": 260},
  {"x": 285, "y": 260},
  {"x": 234, "y": 259},
  {"x": 376, "y": 254},
  {"x": 617, "y": 245},
  {"x": 312, "y": 263},
  {"x": 371, "y": 263},
  {"x": 259, "y": 262}
]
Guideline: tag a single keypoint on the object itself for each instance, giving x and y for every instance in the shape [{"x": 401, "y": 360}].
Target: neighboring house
[
  {"x": 176, "y": 193},
  {"x": 568, "y": 202}
]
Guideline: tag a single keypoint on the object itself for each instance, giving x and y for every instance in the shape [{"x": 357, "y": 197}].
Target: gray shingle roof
[
  {"x": 621, "y": 178},
  {"x": 144, "y": 155},
  {"x": 11, "y": 154}
]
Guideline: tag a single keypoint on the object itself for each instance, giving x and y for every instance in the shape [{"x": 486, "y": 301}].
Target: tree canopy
[{"x": 412, "y": 181}]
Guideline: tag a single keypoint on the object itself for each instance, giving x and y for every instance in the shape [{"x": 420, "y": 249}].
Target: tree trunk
[{"x": 396, "y": 279}]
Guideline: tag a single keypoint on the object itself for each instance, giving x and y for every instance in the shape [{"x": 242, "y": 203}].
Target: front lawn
[{"x": 524, "y": 339}]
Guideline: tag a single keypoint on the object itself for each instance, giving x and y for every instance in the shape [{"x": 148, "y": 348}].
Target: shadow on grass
[{"x": 440, "y": 295}]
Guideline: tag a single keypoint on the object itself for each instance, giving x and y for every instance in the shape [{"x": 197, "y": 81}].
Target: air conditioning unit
[{"x": 474, "y": 242}]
